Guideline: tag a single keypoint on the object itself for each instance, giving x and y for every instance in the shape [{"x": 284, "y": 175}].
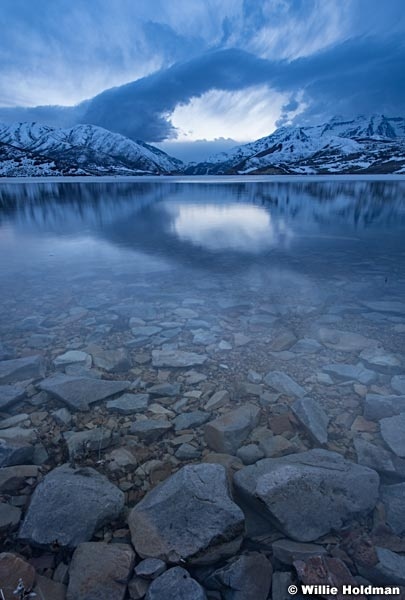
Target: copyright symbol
[{"x": 292, "y": 589}]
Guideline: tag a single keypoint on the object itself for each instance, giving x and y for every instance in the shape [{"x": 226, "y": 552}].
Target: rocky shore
[{"x": 170, "y": 453}]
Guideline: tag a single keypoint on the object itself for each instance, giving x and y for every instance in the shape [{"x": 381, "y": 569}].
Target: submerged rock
[
  {"x": 357, "y": 372},
  {"x": 377, "y": 407},
  {"x": 150, "y": 430},
  {"x": 393, "y": 498},
  {"x": 80, "y": 392},
  {"x": 129, "y": 404},
  {"x": 398, "y": 384},
  {"x": 10, "y": 394},
  {"x": 69, "y": 505},
  {"x": 392, "y": 432},
  {"x": 177, "y": 358},
  {"x": 313, "y": 418},
  {"x": 306, "y": 495},
  {"x": 227, "y": 433},
  {"x": 19, "y": 369},
  {"x": 189, "y": 517},
  {"x": 283, "y": 383}
]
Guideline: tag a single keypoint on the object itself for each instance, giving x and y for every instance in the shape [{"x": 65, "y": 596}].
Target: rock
[
  {"x": 12, "y": 569},
  {"x": 189, "y": 517},
  {"x": 175, "y": 584},
  {"x": 150, "y": 568},
  {"x": 73, "y": 357},
  {"x": 326, "y": 571},
  {"x": 389, "y": 306},
  {"x": 344, "y": 340},
  {"x": 281, "y": 581},
  {"x": 307, "y": 495},
  {"x": 246, "y": 576},
  {"x": 313, "y": 418},
  {"x": 19, "y": 369},
  {"x": 398, "y": 384},
  {"x": 15, "y": 452},
  {"x": 10, "y": 394},
  {"x": 240, "y": 339},
  {"x": 220, "y": 398},
  {"x": 227, "y": 433},
  {"x": 80, "y": 392},
  {"x": 389, "y": 570},
  {"x": 307, "y": 346},
  {"x": 138, "y": 587},
  {"x": 250, "y": 454},
  {"x": 47, "y": 589},
  {"x": 379, "y": 459},
  {"x": 187, "y": 452},
  {"x": 112, "y": 361},
  {"x": 100, "y": 571},
  {"x": 283, "y": 341},
  {"x": 14, "y": 478},
  {"x": 254, "y": 376},
  {"x": 80, "y": 443},
  {"x": 20, "y": 434},
  {"x": 62, "y": 416},
  {"x": 129, "y": 404},
  {"x": 145, "y": 331},
  {"x": 393, "y": 498},
  {"x": 346, "y": 372},
  {"x": 177, "y": 358},
  {"x": 150, "y": 430},
  {"x": 378, "y": 357},
  {"x": 287, "y": 551},
  {"x": 377, "y": 407},
  {"x": 165, "y": 389},
  {"x": 392, "y": 432},
  {"x": 283, "y": 383},
  {"x": 69, "y": 505},
  {"x": 14, "y": 421},
  {"x": 9, "y": 516},
  {"x": 120, "y": 458},
  {"x": 191, "y": 420},
  {"x": 275, "y": 445}
]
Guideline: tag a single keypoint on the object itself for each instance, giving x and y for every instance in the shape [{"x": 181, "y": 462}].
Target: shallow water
[{"x": 257, "y": 265}]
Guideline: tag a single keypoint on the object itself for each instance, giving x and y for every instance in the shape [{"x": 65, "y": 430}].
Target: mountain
[
  {"x": 80, "y": 150},
  {"x": 373, "y": 144}
]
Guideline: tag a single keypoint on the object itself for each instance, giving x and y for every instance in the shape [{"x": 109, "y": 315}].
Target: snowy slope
[
  {"x": 91, "y": 149},
  {"x": 341, "y": 145}
]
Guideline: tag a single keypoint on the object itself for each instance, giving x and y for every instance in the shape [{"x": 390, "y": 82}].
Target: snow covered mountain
[
  {"x": 80, "y": 150},
  {"x": 363, "y": 145}
]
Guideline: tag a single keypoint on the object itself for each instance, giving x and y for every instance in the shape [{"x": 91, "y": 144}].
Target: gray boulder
[
  {"x": 189, "y": 517},
  {"x": 283, "y": 383},
  {"x": 313, "y": 418},
  {"x": 190, "y": 420},
  {"x": 175, "y": 584},
  {"x": 150, "y": 568},
  {"x": 378, "y": 407},
  {"x": 69, "y": 505},
  {"x": 246, "y": 576},
  {"x": 389, "y": 570},
  {"x": 392, "y": 432},
  {"x": 378, "y": 458},
  {"x": 100, "y": 571},
  {"x": 227, "y": 433},
  {"x": 80, "y": 392},
  {"x": 10, "y": 394},
  {"x": 307, "y": 495},
  {"x": 177, "y": 358},
  {"x": 19, "y": 369}
]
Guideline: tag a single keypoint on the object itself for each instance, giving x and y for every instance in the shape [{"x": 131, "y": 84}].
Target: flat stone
[
  {"x": 73, "y": 357},
  {"x": 213, "y": 527},
  {"x": 9, "y": 395},
  {"x": 227, "y": 433},
  {"x": 120, "y": 458},
  {"x": 129, "y": 404},
  {"x": 283, "y": 383},
  {"x": 150, "y": 430},
  {"x": 288, "y": 551},
  {"x": 250, "y": 454},
  {"x": 376, "y": 356},
  {"x": 165, "y": 389},
  {"x": 398, "y": 384},
  {"x": 80, "y": 443},
  {"x": 377, "y": 407},
  {"x": 69, "y": 505},
  {"x": 177, "y": 358},
  {"x": 392, "y": 432},
  {"x": 9, "y": 516},
  {"x": 282, "y": 341},
  {"x": 150, "y": 568},
  {"x": 220, "y": 398},
  {"x": 62, "y": 416},
  {"x": 15, "y": 452},
  {"x": 389, "y": 570},
  {"x": 390, "y": 306},
  {"x": 20, "y": 434},
  {"x": 308, "y": 494},
  {"x": 379, "y": 459},
  {"x": 246, "y": 576},
  {"x": 175, "y": 584},
  {"x": 313, "y": 418},
  {"x": 344, "y": 341},
  {"x": 20, "y": 369},
  {"x": 112, "y": 361},
  {"x": 100, "y": 571},
  {"x": 307, "y": 346},
  {"x": 145, "y": 330},
  {"x": 275, "y": 445},
  {"x": 190, "y": 420},
  {"x": 393, "y": 498},
  {"x": 137, "y": 588},
  {"x": 80, "y": 392},
  {"x": 14, "y": 478},
  {"x": 187, "y": 452},
  {"x": 12, "y": 569},
  {"x": 346, "y": 372},
  {"x": 14, "y": 421}
]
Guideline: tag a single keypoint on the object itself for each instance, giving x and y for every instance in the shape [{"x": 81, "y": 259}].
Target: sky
[{"x": 198, "y": 76}]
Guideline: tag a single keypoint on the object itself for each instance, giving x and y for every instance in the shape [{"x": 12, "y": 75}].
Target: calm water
[{"x": 258, "y": 266}]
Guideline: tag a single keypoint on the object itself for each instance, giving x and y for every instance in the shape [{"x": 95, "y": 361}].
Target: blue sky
[{"x": 206, "y": 71}]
